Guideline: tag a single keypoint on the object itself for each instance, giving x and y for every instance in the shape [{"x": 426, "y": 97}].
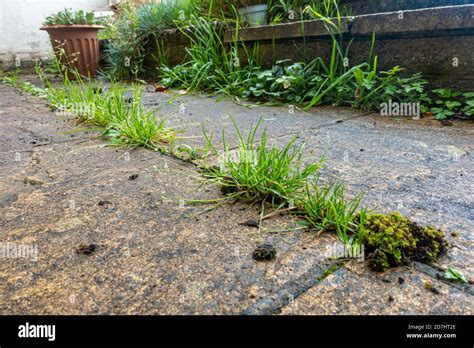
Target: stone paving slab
[
  {"x": 353, "y": 289},
  {"x": 156, "y": 256}
]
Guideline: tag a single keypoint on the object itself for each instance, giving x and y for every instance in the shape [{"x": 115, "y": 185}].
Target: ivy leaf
[{"x": 454, "y": 274}]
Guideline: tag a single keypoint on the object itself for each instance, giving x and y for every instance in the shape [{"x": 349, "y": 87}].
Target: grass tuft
[
  {"x": 255, "y": 172},
  {"x": 324, "y": 207}
]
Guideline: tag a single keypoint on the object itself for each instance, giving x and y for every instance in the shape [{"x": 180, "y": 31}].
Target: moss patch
[{"x": 392, "y": 240}]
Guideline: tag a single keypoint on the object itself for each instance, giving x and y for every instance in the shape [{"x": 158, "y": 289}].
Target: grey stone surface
[
  {"x": 287, "y": 30},
  {"x": 415, "y": 21},
  {"x": 353, "y": 289},
  {"x": 383, "y": 24}
]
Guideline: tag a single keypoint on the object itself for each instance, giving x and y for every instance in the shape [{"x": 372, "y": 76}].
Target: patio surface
[{"x": 61, "y": 186}]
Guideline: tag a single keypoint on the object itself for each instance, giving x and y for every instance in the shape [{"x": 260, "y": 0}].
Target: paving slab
[{"x": 353, "y": 289}]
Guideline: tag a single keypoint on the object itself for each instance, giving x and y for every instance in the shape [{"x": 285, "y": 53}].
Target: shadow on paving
[{"x": 154, "y": 254}]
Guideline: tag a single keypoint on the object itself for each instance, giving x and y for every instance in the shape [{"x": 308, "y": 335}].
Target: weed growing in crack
[
  {"x": 324, "y": 207},
  {"x": 256, "y": 172},
  {"x": 13, "y": 80},
  {"x": 133, "y": 125},
  {"x": 124, "y": 119}
]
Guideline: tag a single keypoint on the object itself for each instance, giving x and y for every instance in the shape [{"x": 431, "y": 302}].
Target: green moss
[
  {"x": 430, "y": 243},
  {"x": 330, "y": 270},
  {"x": 392, "y": 240},
  {"x": 388, "y": 237},
  {"x": 378, "y": 261}
]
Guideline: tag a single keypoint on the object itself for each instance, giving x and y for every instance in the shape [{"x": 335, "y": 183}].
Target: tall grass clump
[
  {"x": 124, "y": 119},
  {"x": 253, "y": 171},
  {"x": 212, "y": 65}
]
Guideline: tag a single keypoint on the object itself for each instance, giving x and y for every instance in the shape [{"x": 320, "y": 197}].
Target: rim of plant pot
[
  {"x": 72, "y": 26},
  {"x": 252, "y": 8}
]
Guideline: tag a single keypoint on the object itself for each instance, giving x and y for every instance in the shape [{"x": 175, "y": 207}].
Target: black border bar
[{"x": 260, "y": 330}]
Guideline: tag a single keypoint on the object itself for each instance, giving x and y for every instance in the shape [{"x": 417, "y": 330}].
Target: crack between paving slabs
[
  {"x": 325, "y": 125},
  {"x": 291, "y": 290},
  {"x": 437, "y": 273}
]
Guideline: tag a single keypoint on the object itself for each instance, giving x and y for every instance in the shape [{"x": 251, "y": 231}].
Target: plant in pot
[
  {"x": 74, "y": 38},
  {"x": 253, "y": 12}
]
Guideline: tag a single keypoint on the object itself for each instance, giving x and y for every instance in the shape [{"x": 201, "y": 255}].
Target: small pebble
[
  {"x": 251, "y": 223},
  {"x": 264, "y": 252},
  {"x": 86, "y": 249}
]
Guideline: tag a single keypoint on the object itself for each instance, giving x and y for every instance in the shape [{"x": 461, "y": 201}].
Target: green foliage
[
  {"x": 313, "y": 83},
  {"x": 124, "y": 119},
  {"x": 286, "y": 83},
  {"x": 256, "y": 172},
  {"x": 456, "y": 275},
  {"x": 392, "y": 240},
  {"x": 450, "y": 103},
  {"x": 135, "y": 28},
  {"x": 295, "y": 83},
  {"x": 70, "y": 17},
  {"x": 325, "y": 207},
  {"x": 222, "y": 10},
  {"x": 297, "y": 10},
  {"x": 25, "y": 86},
  {"x": 212, "y": 66},
  {"x": 374, "y": 89},
  {"x": 215, "y": 67}
]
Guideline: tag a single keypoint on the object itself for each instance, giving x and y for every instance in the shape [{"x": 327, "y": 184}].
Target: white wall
[{"x": 20, "y": 21}]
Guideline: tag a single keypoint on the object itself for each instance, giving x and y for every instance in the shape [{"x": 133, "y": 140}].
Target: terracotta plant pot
[{"x": 80, "y": 45}]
